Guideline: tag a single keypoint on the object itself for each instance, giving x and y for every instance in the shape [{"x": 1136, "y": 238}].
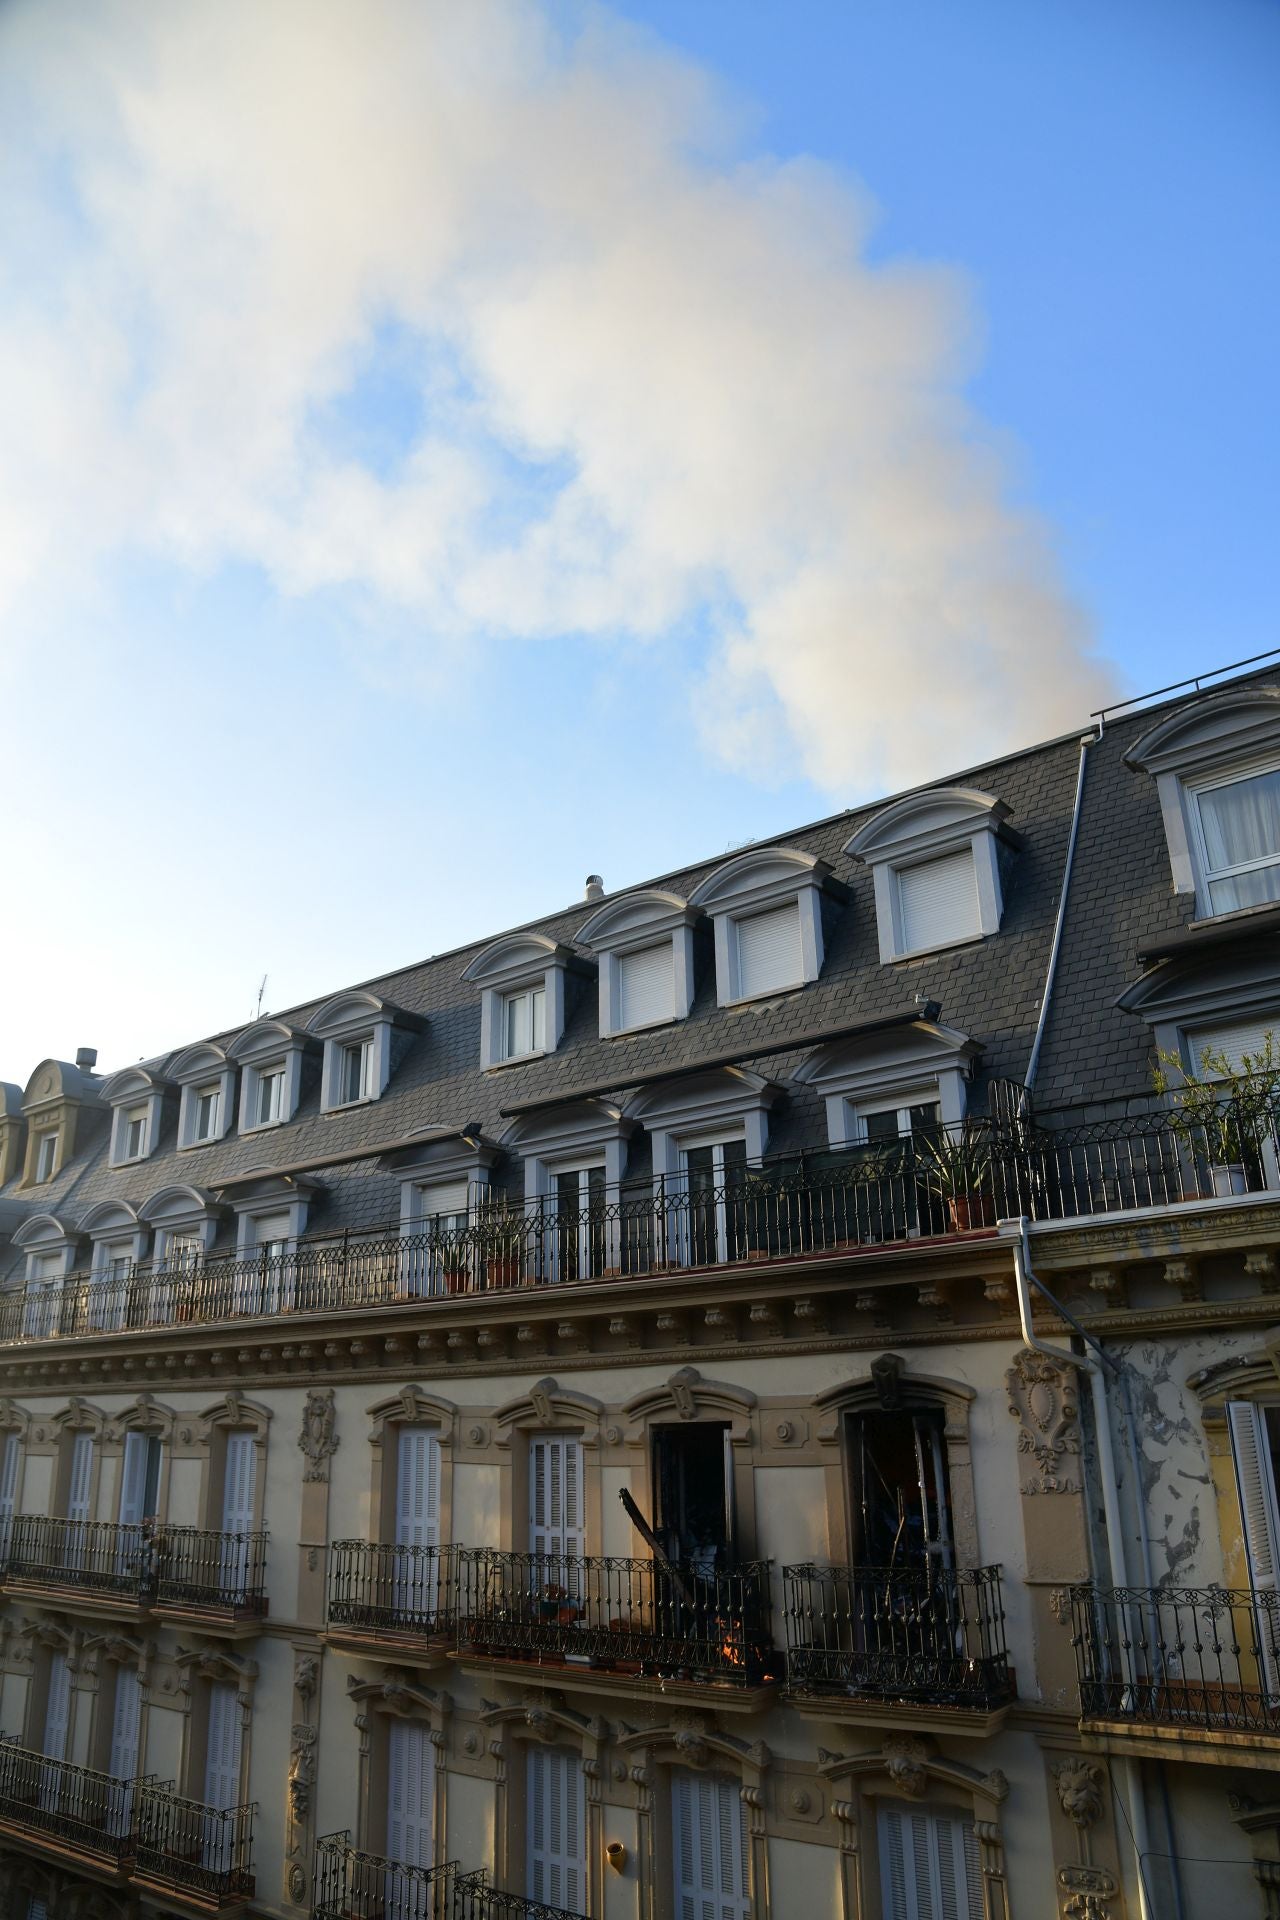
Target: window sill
[
  {"x": 647, "y": 1026},
  {"x": 137, "y": 1160},
  {"x": 762, "y": 999},
  {"x": 266, "y": 1126},
  {"x": 943, "y": 946},
  {"x": 189, "y": 1146},
  {"x": 518, "y": 1060},
  {"x": 349, "y": 1106}
]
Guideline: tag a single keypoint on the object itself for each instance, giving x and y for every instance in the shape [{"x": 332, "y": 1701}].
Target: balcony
[
  {"x": 209, "y": 1579},
  {"x": 475, "y": 1899},
  {"x": 196, "y": 1857},
  {"x": 940, "y": 1184},
  {"x": 68, "y": 1813},
  {"x": 391, "y": 1599},
  {"x": 634, "y": 1619},
  {"x": 892, "y": 1643},
  {"x": 1194, "y": 1670},
  {"x": 350, "y": 1884}
]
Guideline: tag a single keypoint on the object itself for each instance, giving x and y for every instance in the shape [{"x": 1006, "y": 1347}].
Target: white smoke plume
[{"x": 659, "y": 389}]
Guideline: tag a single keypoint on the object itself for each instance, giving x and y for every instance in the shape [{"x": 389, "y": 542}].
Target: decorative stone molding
[
  {"x": 412, "y": 1406},
  {"x": 233, "y": 1411},
  {"x": 548, "y": 1404},
  {"x": 1042, "y": 1397},
  {"x": 1080, "y": 1784},
  {"x": 687, "y": 1396}
]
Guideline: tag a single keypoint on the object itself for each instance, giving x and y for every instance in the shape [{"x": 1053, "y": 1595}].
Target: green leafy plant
[
  {"x": 954, "y": 1164},
  {"x": 1223, "y": 1109}
]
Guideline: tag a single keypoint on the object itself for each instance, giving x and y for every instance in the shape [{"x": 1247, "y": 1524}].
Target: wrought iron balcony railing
[
  {"x": 402, "y": 1590},
  {"x": 632, "y": 1615},
  {"x": 211, "y": 1572},
  {"x": 193, "y": 1848},
  {"x": 475, "y": 1899},
  {"x": 178, "y": 1566},
  {"x": 931, "y": 1635},
  {"x": 1179, "y": 1656},
  {"x": 76, "y": 1808},
  {"x": 350, "y": 1884},
  {"x": 934, "y": 1183}
]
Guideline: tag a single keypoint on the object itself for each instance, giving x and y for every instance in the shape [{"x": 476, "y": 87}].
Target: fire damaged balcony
[
  {"x": 196, "y": 1857},
  {"x": 637, "y": 1618},
  {"x": 923, "y": 1639},
  {"x": 68, "y": 1813},
  {"x": 389, "y": 1597},
  {"x": 1188, "y": 1668},
  {"x": 215, "y": 1579}
]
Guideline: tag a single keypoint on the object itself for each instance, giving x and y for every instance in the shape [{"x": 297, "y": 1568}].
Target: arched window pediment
[
  {"x": 687, "y": 1396},
  {"x": 44, "y": 1233},
  {"x": 198, "y": 1062},
  {"x": 761, "y": 872},
  {"x": 178, "y": 1206},
  {"x": 263, "y": 1038},
  {"x": 522, "y": 995},
  {"x": 1238, "y": 720},
  {"x": 109, "y": 1218},
  {"x": 413, "y": 1406},
  {"x": 638, "y": 916},
  {"x": 514, "y": 956},
  {"x": 924, "y": 820},
  {"x": 235, "y": 1412},
  {"x": 548, "y": 1404},
  {"x": 131, "y": 1083}
]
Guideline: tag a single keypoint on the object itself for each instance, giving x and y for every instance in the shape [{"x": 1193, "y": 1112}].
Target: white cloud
[{"x": 683, "y": 396}]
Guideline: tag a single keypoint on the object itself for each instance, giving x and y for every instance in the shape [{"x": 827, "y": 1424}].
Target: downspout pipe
[
  {"x": 1086, "y": 741},
  {"x": 1096, "y": 1365}
]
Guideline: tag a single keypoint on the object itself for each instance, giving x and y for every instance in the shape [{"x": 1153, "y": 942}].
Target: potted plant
[
  {"x": 502, "y": 1239},
  {"x": 1223, "y": 1111},
  {"x": 453, "y": 1264},
  {"x": 957, "y": 1167}
]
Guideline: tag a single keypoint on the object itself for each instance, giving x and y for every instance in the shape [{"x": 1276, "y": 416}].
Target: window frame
[
  {"x": 46, "y": 1152},
  {"x": 1206, "y": 876}
]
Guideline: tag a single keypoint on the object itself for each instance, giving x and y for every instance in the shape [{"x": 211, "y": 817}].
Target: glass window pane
[
  {"x": 1252, "y": 888},
  {"x": 1241, "y": 820},
  {"x": 882, "y": 1126},
  {"x": 517, "y": 1024}
]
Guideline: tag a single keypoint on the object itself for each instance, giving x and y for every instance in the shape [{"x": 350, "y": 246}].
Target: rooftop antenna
[{"x": 261, "y": 990}]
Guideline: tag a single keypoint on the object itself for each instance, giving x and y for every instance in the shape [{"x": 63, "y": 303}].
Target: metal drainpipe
[
  {"x": 1086, "y": 741},
  {"x": 1087, "y": 1363}
]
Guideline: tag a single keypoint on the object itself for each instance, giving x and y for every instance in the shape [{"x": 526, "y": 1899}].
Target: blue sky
[{"x": 446, "y": 459}]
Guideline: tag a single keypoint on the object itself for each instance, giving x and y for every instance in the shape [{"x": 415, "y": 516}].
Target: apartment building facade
[{"x": 742, "y": 1398}]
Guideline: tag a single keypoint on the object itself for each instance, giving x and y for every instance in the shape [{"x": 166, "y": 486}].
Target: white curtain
[{"x": 1241, "y": 823}]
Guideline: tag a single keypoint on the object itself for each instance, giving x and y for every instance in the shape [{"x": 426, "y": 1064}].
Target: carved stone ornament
[
  {"x": 1042, "y": 1397},
  {"x": 317, "y": 1439},
  {"x": 692, "y": 1748},
  {"x": 1080, "y": 1786},
  {"x": 297, "y": 1882},
  {"x": 1089, "y": 1892},
  {"x": 306, "y": 1675},
  {"x": 906, "y": 1761},
  {"x": 302, "y": 1772}
]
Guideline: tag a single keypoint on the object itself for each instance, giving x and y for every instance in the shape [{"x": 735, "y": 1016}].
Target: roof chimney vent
[
  {"x": 86, "y": 1058},
  {"x": 595, "y": 887}
]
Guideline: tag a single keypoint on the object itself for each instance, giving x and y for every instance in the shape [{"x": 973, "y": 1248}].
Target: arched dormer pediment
[
  {"x": 515, "y": 955},
  {"x": 205, "y": 1060},
  {"x": 263, "y": 1039},
  {"x": 935, "y": 864},
  {"x": 131, "y": 1083},
  {"x": 57, "y": 1080},
  {"x": 347, "y": 1010},
  {"x": 584, "y": 1131},
  {"x": 412, "y": 1406},
  {"x": 919, "y": 820},
  {"x": 44, "y": 1232},
  {"x": 687, "y": 1396},
  {"x": 638, "y": 916},
  {"x": 914, "y": 1062},
  {"x": 110, "y": 1217},
  {"x": 766, "y": 910},
  {"x": 178, "y": 1206},
  {"x": 206, "y": 1075},
  {"x": 1238, "y": 720},
  {"x": 548, "y": 1404},
  {"x": 723, "y": 1098}
]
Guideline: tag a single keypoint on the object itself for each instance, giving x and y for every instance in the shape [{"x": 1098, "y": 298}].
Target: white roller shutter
[
  {"x": 1260, "y": 1518},
  {"x": 557, "y": 1826},
  {"x": 411, "y": 1780},
  {"x": 1241, "y": 1037},
  {"x": 929, "y": 1867},
  {"x": 769, "y": 950},
  {"x": 555, "y": 1496},
  {"x": 939, "y": 901},
  {"x": 646, "y": 986},
  {"x": 709, "y": 1843}
]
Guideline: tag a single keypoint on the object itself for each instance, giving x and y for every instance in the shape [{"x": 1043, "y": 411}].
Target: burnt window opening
[
  {"x": 693, "y": 1486},
  {"x": 901, "y": 1495}
]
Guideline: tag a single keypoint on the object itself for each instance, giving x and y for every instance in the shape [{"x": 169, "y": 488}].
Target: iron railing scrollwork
[
  {"x": 150, "y": 1563},
  {"x": 628, "y": 1614},
  {"x": 187, "y": 1845},
  {"x": 353, "y": 1884},
  {"x": 394, "y": 1589},
  {"x": 1179, "y": 1656},
  {"x": 925, "y": 1634},
  {"x": 476, "y": 1899},
  {"x": 85, "y": 1811}
]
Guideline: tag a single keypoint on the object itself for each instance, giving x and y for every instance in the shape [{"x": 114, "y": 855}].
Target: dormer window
[
  {"x": 271, "y": 1082},
  {"x": 136, "y": 1096},
  {"x": 766, "y": 907},
  {"x": 357, "y": 1030},
  {"x": 207, "y": 1079},
  {"x": 1216, "y": 764},
  {"x": 522, "y": 979},
  {"x": 645, "y": 944},
  {"x": 524, "y": 1023},
  {"x": 936, "y": 862},
  {"x": 46, "y": 1157}
]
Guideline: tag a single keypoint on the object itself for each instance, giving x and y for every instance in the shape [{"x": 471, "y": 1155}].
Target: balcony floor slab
[
  {"x": 82, "y": 1601},
  {"x": 1202, "y": 1746},
  {"x": 62, "y": 1852},
  {"x": 401, "y": 1649},
  {"x": 214, "y": 1620},
  {"x": 915, "y": 1716},
  {"x": 175, "y": 1898},
  {"x": 719, "y": 1696}
]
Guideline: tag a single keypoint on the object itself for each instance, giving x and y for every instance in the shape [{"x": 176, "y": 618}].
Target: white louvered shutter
[
  {"x": 36, "y": 1909},
  {"x": 929, "y": 1867},
  {"x": 57, "y": 1713},
  {"x": 1260, "y": 1518},
  {"x": 418, "y": 1488},
  {"x": 769, "y": 950},
  {"x": 646, "y": 985},
  {"x": 123, "y": 1765},
  {"x": 222, "y": 1753},
  {"x": 1241, "y": 1037},
  {"x": 555, "y": 1496},
  {"x": 411, "y": 1779},
  {"x": 10, "y": 1461},
  {"x": 939, "y": 901},
  {"x": 709, "y": 1835},
  {"x": 139, "y": 1478},
  {"x": 239, "y": 1486},
  {"x": 557, "y": 1826},
  {"x": 79, "y": 1489}
]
